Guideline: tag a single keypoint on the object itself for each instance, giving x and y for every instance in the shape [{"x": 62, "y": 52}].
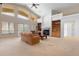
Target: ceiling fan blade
[
  {"x": 35, "y": 5},
  {"x": 1, "y": 3}
]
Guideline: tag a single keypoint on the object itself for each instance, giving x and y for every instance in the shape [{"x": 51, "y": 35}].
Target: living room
[{"x": 48, "y": 29}]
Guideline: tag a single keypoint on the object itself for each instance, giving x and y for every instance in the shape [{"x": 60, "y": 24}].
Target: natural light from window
[
  {"x": 5, "y": 13},
  {"x": 22, "y": 17}
]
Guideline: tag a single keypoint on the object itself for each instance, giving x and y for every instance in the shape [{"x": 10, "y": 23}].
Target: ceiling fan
[{"x": 35, "y": 5}]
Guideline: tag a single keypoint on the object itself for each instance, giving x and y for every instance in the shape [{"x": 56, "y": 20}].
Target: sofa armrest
[{"x": 36, "y": 37}]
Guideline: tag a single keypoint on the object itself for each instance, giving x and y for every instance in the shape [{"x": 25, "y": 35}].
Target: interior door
[
  {"x": 68, "y": 29},
  {"x": 56, "y": 28}
]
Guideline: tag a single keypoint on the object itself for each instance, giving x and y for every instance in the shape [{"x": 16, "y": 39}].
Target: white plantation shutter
[
  {"x": 11, "y": 28},
  {"x": 5, "y": 28}
]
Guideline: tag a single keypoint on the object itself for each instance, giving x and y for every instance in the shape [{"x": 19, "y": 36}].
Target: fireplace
[{"x": 46, "y": 32}]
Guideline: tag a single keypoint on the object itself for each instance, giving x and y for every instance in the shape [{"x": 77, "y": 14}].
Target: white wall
[
  {"x": 45, "y": 20},
  {"x": 57, "y": 16}
]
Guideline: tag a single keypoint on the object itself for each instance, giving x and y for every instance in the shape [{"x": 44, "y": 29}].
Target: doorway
[
  {"x": 56, "y": 32},
  {"x": 68, "y": 29}
]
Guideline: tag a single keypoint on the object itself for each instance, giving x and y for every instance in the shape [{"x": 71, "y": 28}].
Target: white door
[{"x": 68, "y": 29}]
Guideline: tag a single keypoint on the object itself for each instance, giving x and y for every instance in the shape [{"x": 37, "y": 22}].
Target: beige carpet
[{"x": 48, "y": 47}]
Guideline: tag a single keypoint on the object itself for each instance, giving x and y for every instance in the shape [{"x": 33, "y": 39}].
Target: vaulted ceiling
[
  {"x": 65, "y": 8},
  {"x": 44, "y": 8},
  {"x": 20, "y": 10}
]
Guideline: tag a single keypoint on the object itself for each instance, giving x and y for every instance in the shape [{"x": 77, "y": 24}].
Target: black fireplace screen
[{"x": 46, "y": 32}]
